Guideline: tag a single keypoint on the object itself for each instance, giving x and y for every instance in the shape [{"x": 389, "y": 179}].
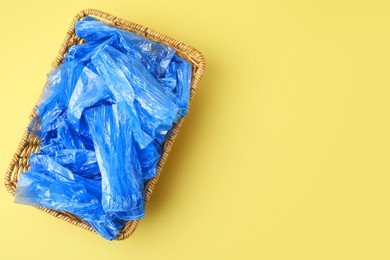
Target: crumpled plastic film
[{"x": 103, "y": 116}]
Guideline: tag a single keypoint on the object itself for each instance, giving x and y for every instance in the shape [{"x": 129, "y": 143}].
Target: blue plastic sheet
[{"x": 103, "y": 116}]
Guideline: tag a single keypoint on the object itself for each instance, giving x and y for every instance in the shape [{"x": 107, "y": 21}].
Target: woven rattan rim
[{"x": 30, "y": 144}]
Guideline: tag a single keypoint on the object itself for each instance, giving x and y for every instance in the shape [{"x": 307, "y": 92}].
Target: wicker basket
[{"x": 30, "y": 144}]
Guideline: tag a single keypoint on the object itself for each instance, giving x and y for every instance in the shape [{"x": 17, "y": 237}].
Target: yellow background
[{"x": 285, "y": 152}]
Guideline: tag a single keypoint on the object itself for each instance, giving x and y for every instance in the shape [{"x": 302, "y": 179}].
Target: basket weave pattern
[{"x": 30, "y": 144}]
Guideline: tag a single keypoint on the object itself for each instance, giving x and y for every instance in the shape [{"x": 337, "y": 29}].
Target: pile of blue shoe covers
[{"x": 102, "y": 117}]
